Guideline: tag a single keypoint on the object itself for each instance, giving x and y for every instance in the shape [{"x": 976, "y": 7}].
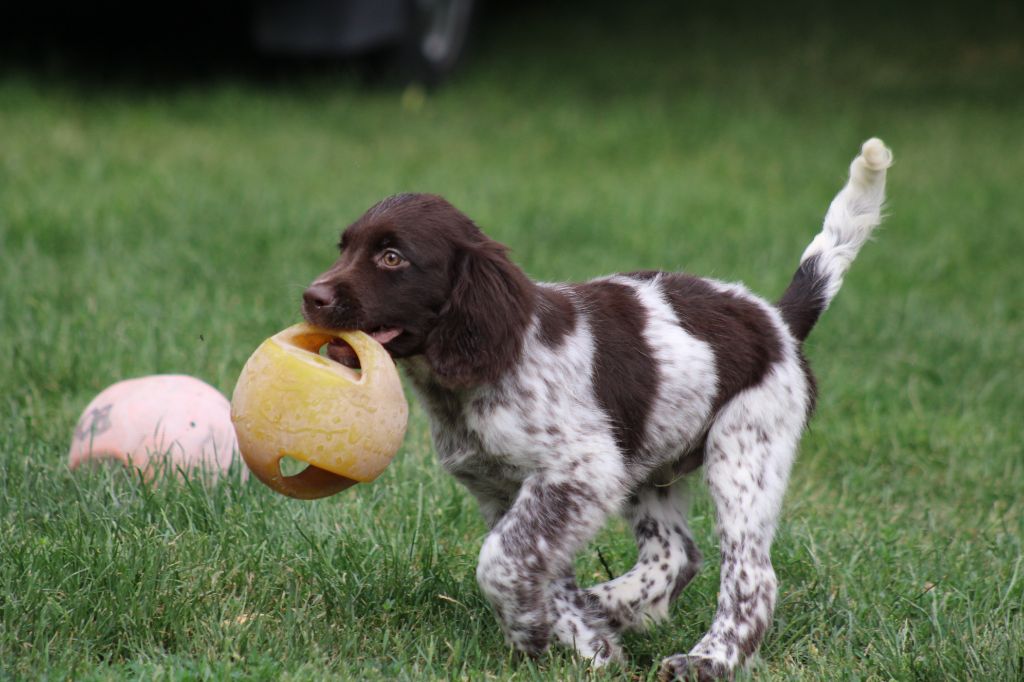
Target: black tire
[{"x": 436, "y": 40}]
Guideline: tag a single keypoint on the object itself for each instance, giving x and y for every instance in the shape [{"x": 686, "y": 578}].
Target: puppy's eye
[{"x": 391, "y": 259}]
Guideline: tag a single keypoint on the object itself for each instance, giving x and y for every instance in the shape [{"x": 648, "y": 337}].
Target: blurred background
[
  {"x": 173, "y": 175},
  {"x": 421, "y": 40},
  {"x": 427, "y": 40}
]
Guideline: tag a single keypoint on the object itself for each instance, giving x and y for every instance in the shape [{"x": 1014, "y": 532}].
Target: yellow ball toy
[{"x": 290, "y": 401}]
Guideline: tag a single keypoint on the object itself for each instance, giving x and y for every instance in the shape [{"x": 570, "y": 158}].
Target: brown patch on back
[
  {"x": 624, "y": 377},
  {"x": 742, "y": 336}
]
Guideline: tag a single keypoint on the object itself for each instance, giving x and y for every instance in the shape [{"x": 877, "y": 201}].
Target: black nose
[{"x": 318, "y": 296}]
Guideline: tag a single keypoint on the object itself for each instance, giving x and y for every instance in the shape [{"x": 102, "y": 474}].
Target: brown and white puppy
[{"x": 557, "y": 405}]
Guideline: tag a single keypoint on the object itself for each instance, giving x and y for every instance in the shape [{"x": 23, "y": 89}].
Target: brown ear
[{"x": 479, "y": 331}]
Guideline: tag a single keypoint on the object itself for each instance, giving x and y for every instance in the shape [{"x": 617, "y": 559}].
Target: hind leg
[
  {"x": 749, "y": 452},
  {"x": 667, "y": 558}
]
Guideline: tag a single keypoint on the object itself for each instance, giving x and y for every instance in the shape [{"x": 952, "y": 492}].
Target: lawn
[{"x": 170, "y": 228}]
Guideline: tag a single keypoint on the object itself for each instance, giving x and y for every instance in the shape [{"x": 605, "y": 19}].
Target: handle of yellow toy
[
  {"x": 311, "y": 339},
  {"x": 309, "y": 484}
]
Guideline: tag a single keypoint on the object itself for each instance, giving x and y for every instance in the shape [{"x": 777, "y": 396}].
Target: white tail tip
[{"x": 876, "y": 156}]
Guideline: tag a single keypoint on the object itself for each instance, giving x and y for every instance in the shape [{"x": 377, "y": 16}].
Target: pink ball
[{"x": 163, "y": 418}]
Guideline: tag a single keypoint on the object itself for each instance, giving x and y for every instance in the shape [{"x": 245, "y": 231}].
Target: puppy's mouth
[{"x": 341, "y": 352}]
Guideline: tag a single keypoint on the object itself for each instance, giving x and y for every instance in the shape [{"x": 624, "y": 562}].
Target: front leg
[{"x": 525, "y": 560}]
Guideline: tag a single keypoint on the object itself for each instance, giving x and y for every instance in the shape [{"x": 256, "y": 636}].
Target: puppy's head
[{"x": 421, "y": 278}]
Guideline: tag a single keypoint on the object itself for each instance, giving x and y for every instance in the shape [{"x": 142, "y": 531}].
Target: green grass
[{"x": 171, "y": 229}]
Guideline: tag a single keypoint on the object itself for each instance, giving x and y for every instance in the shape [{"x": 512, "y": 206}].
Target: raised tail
[{"x": 854, "y": 214}]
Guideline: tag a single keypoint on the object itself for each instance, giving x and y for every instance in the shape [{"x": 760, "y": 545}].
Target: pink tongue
[{"x": 385, "y": 335}]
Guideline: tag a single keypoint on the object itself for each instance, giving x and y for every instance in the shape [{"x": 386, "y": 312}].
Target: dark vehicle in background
[{"x": 422, "y": 40}]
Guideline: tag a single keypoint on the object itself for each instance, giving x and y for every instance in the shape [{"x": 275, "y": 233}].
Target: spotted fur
[{"x": 558, "y": 405}]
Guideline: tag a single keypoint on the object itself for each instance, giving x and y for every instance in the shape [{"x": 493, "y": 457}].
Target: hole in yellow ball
[
  {"x": 340, "y": 352},
  {"x": 291, "y": 466}
]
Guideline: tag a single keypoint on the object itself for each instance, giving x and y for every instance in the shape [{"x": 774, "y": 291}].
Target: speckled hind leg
[
  {"x": 749, "y": 452},
  {"x": 667, "y": 558}
]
